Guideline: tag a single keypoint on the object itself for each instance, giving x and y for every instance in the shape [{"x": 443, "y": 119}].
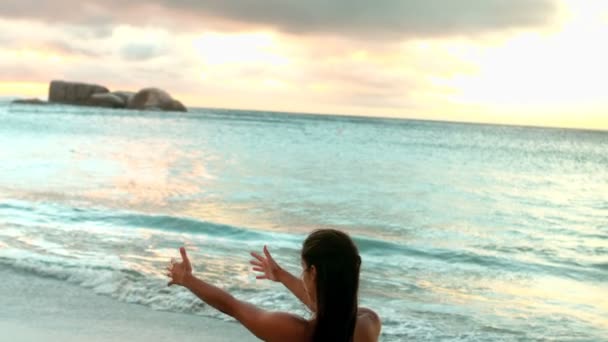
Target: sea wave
[{"x": 500, "y": 259}]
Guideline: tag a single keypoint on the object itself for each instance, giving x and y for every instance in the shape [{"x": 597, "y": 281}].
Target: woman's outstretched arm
[
  {"x": 268, "y": 326},
  {"x": 272, "y": 271}
]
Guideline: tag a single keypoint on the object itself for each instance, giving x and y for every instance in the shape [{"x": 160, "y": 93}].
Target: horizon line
[
  {"x": 382, "y": 117},
  {"x": 9, "y": 98}
]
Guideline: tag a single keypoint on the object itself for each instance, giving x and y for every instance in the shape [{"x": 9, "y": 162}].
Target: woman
[{"x": 329, "y": 286}]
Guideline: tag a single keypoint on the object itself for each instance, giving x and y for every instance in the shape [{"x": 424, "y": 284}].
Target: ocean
[{"x": 467, "y": 232}]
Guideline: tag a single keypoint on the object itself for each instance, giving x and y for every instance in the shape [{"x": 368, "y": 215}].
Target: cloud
[
  {"x": 350, "y": 18},
  {"x": 69, "y": 48},
  {"x": 391, "y": 17},
  {"x": 141, "y": 51},
  {"x": 58, "y": 39},
  {"x": 87, "y": 31}
]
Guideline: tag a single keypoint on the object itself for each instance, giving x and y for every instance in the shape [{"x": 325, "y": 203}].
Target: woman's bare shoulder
[{"x": 368, "y": 325}]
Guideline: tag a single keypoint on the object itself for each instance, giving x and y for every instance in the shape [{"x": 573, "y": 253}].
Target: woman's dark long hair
[{"x": 337, "y": 263}]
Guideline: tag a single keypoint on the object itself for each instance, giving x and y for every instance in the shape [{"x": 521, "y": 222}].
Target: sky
[{"x": 523, "y": 62}]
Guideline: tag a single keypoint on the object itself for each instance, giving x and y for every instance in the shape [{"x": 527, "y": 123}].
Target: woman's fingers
[
  {"x": 261, "y": 277},
  {"x": 257, "y": 256},
  {"x": 259, "y": 269},
  {"x": 256, "y": 263},
  {"x": 185, "y": 259},
  {"x": 267, "y": 253}
]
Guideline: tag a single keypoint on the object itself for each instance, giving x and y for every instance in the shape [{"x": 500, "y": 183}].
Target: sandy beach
[{"x": 40, "y": 309}]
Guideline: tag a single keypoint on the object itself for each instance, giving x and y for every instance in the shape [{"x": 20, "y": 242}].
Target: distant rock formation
[
  {"x": 124, "y": 95},
  {"x": 177, "y": 106},
  {"x": 107, "y": 100},
  {"x": 73, "y": 92},
  {"x": 149, "y": 98},
  {"x": 83, "y": 94},
  {"x": 153, "y": 99},
  {"x": 30, "y": 101}
]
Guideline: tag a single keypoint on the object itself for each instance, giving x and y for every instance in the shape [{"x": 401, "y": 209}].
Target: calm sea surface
[{"x": 467, "y": 232}]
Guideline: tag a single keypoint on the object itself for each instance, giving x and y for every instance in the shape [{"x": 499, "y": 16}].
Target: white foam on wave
[
  {"x": 127, "y": 263},
  {"x": 108, "y": 276}
]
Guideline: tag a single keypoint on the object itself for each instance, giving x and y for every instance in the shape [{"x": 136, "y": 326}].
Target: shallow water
[{"x": 467, "y": 232}]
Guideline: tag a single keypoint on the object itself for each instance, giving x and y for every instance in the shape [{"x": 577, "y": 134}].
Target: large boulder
[
  {"x": 154, "y": 99},
  {"x": 73, "y": 92},
  {"x": 177, "y": 106},
  {"x": 106, "y": 100}
]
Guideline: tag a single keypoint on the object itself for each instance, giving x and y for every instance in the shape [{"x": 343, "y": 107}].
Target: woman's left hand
[{"x": 179, "y": 272}]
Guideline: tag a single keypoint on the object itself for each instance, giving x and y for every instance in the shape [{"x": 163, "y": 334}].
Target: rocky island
[{"x": 93, "y": 95}]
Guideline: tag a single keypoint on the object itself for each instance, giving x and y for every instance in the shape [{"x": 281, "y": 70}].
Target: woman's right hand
[
  {"x": 265, "y": 265},
  {"x": 180, "y": 272}
]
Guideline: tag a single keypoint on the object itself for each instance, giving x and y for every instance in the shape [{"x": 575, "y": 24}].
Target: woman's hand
[
  {"x": 269, "y": 269},
  {"x": 179, "y": 272},
  {"x": 265, "y": 265}
]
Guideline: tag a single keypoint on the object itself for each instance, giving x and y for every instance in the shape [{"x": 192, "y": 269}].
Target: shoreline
[{"x": 42, "y": 309}]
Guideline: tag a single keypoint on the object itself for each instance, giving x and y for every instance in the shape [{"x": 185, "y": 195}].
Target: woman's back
[{"x": 368, "y": 326}]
